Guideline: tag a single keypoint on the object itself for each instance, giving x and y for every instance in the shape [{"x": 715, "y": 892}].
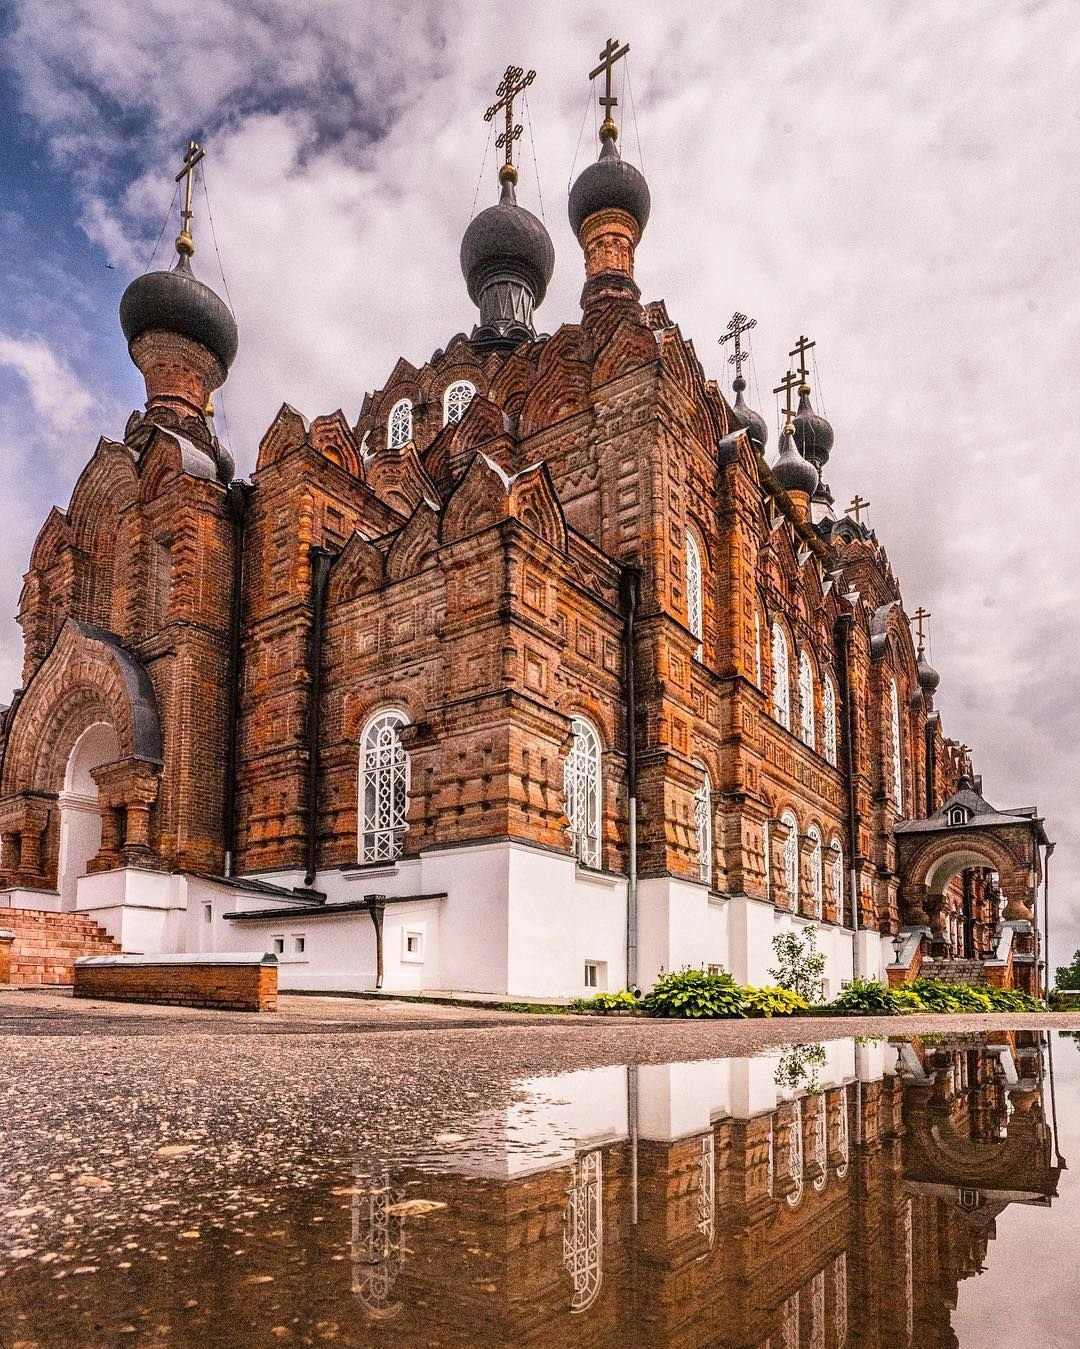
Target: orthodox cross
[
  {"x": 611, "y": 53},
  {"x": 802, "y": 346},
  {"x": 856, "y": 506},
  {"x": 919, "y": 617},
  {"x": 185, "y": 243},
  {"x": 737, "y": 325},
  {"x": 514, "y": 81},
  {"x": 785, "y": 387}
]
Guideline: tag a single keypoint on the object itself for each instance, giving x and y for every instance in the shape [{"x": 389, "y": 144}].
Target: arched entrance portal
[{"x": 80, "y": 813}]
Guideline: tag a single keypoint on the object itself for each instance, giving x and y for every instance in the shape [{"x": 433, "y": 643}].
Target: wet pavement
[{"x": 369, "y": 1173}]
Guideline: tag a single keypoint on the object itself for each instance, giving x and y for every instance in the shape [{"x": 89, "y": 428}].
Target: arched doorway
[{"x": 80, "y": 814}]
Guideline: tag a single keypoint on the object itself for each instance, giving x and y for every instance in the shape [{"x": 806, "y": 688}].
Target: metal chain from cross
[
  {"x": 514, "y": 81},
  {"x": 855, "y": 506},
  {"x": 785, "y": 387},
  {"x": 802, "y": 346},
  {"x": 737, "y": 325},
  {"x": 919, "y": 618},
  {"x": 185, "y": 244},
  {"x": 611, "y": 53}
]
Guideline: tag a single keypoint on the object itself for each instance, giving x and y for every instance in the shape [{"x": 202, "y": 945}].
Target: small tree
[
  {"x": 800, "y": 965},
  {"x": 1068, "y": 976}
]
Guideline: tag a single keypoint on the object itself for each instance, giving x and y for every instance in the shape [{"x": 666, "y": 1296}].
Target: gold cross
[
  {"x": 856, "y": 506},
  {"x": 611, "y": 53},
  {"x": 184, "y": 242},
  {"x": 737, "y": 325},
  {"x": 919, "y": 617},
  {"x": 514, "y": 81},
  {"x": 785, "y": 387},
  {"x": 802, "y": 346}
]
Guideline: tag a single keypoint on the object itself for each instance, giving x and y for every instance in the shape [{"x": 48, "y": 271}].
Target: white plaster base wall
[{"x": 49, "y": 900}]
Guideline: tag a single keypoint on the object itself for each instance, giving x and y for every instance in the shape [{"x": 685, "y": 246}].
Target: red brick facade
[{"x": 235, "y": 987}]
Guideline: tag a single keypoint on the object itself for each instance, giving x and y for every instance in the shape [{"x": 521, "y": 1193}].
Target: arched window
[
  {"x": 828, "y": 707},
  {"x": 795, "y": 1155},
  {"x": 693, "y": 591},
  {"x": 581, "y": 782},
  {"x": 838, "y": 878},
  {"x": 897, "y": 752},
  {"x": 781, "y": 676},
  {"x": 817, "y": 870},
  {"x": 377, "y": 1246},
  {"x": 791, "y": 858},
  {"x": 706, "y": 1205},
  {"x": 399, "y": 425},
  {"x": 456, "y": 400},
  {"x": 384, "y": 787},
  {"x": 766, "y": 844},
  {"x": 583, "y": 1230},
  {"x": 757, "y": 648},
  {"x": 703, "y": 825},
  {"x": 806, "y": 700}
]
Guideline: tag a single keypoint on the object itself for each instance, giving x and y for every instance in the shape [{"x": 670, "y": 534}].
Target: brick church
[{"x": 541, "y": 675}]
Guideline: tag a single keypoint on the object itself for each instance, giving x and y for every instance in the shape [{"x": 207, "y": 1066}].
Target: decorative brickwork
[
  {"x": 45, "y": 945},
  {"x": 248, "y": 986}
]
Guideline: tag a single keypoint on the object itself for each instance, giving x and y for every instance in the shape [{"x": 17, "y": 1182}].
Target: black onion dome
[
  {"x": 610, "y": 183},
  {"x": 753, "y": 422},
  {"x": 179, "y": 303},
  {"x": 929, "y": 679},
  {"x": 813, "y": 434},
  {"x": 506, "y": 239},
  {"x": 791, "y": 470}
]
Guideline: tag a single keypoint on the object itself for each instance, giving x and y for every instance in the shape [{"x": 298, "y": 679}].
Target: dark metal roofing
[
  {"x": 178, "y": 302},
  {"x": 333, "y": 910},
  {"x": 756, "y": 426},
  {"x": 297, "y": 893},
  {"x": 792, "y": 471},
  {"x": 145, "y": 723},
  {"x": 981, "y": 815},
  {"x": 507, "y": 240},
  {"x": 813, "y": 434},
  {"x": 609, "y": 183}
]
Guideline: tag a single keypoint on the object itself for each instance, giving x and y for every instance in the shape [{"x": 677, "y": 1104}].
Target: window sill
[
  {"x": 360, "y": 871},
  {"x": 592, "y": 876}
]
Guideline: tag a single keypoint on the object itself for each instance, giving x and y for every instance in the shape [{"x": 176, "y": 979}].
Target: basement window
[
  {"x": 412, "y": 945},
  {"x": 277, "y": 945},
  {"x": 596, "y": 974},
  {"x": 299, "y": 944},
  {"x": 208, "y": 913}
]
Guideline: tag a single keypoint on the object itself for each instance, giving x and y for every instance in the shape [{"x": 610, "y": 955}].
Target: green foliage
[
  {"x": 937, "y": 996},
  {"x": 906, "y": 999},
  {"x": 771, "y": 1001},
  {"x": 623, "y": 1001},
  {"x": 1062, "y": 1001},
  {"x": 693, "y": 993},
  {"x": 799, "y": 964},
  {"x": 868, "y": 997},
  {"x": 798, "y": 1066},
  {"x": 1012, "y": 1000},
  {"x": 1068, "y": 976}
]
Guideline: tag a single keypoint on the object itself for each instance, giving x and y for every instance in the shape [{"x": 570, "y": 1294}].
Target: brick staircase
[
  {"x": 954, "y": 971},
  {"x": 46, "y": 944}
]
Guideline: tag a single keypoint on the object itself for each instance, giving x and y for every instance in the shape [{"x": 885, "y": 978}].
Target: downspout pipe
[
  {"x": 845, "y": 624},
  {"x": 630, "y": 587},
  {"x": 1046, "y": 920},
  {"x": 236, "y": 502},
  {"x": 320, "y": 570}
]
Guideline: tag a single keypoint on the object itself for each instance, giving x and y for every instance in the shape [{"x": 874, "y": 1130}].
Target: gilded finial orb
[
  {"x": 508, "y": 174},
  {"x": 185, "y": 244},
  {"x": 608, "y": 130}
]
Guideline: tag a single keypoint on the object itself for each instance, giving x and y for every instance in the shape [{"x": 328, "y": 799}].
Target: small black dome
[
  {"x": 755, "y": 424},
  {"x": 609, "y": 183},
  {"x": 813, "y": 434},
  {"x": 791, "y": 470},
  {"x": 179, "y": 303},
  {"x": 929, "y": 679},
  {"x": 507, "y": 240}
]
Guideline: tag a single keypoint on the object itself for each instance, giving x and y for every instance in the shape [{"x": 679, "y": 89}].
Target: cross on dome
[
  {"x": 919, "y": 618},
  {"x": 802, "y": 346},
  {"x": 514, "y": 81},
  {"x": 786, "y": 385},
  {"x": 185, "y": 244},
  {"x": 855, "y": 506},
  {"x": 611, "y": 53},
  {"x": 737, "y": 325}
]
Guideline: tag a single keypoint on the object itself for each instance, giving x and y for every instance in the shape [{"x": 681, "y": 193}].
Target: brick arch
[{"x": 930, "y": 868}]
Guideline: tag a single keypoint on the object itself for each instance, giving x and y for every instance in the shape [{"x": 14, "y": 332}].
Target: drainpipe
[
  {"x": 376, "y": 907},
  {"x": 1046, "y": 916},
  {"x": 236, "y": 501},
  {"x": 320, "y": 570},
  {"x": 931, "y": 765},
  {"x": 845, "y": 624},
  {"x": 630, "y": 587}
]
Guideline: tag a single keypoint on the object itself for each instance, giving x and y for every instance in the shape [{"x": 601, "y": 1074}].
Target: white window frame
[
  {"x": 839, "y": 882},
  {"x": 791, "y": 858},
  {"x": 383, "y": 803},
  {"x": 703, "y": 825},
  {"x": 277, "y": 944},
  {"x": 828, "y": 701},
  {"x": 455, "y": 403},
  {"x": 299, "y": 941},
  {"x": 807, "y": 732},
  {"x": 766, "y": 843},
  {"x": 399, "y": 424},
  {"x": 694, "y": 610},
  {"x": 817, "y": 871},
  {"x": 757, "y": 648},
  {"x": 583, "y": 1230},
  {"x": 781, "y": 677},
  {"x": 897, "y": 746},
  {"x": 416, "y": 933},
  {"x": 583, "y": 788}
]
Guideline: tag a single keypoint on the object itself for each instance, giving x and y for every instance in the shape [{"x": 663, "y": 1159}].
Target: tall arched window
[
  {"x": 766, "y": 844},
  {"x": 791, "y": 858},
  {"x": 781, "y": 676},
  {"x": 581, "y": 782},
  {"x": 694, "y": 618},
  {"x": 838, "y": 878},
  {"x": 897, "y": 752},
  {"x": 703, "y": 825},
  {"x": 806, "y": 700},
  {"x": 456, "y": 400},
  {"x": 384, "y": 787},
  {"x": 757, "y": 648},
  {"x": 795, "y": 1155},
  {"x": 399, "y": 425},
  {"x": 828, "y": 707},
  {"x": 583, "y": 1230},
  {"x": 817, "y": 870}
]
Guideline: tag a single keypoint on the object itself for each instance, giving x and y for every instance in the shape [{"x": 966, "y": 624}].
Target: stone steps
[
  {"x": 954, "y": 971},
  {"x": 46, "y": 945}
]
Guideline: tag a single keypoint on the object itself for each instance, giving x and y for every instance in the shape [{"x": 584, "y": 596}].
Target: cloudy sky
[{"x": 895, "y": 180}]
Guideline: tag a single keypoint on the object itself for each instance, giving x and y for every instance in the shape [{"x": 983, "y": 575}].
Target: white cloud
[{"x": 56, "y": 393}]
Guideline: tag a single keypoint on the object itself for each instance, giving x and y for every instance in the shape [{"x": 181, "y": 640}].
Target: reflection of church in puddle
[{"x": 835, "y": 1195}]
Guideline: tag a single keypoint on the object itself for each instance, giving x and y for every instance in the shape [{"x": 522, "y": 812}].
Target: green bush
[
  {"x": 1062, "y": 1000},
  {"x": 772, "y": 1001},
  {"x": 799, "y": 964},
  {"x": 937, "y": 996},
  {"x": 693, "y": 993},
  {"x": 1012, "y": 1000},
  {"x": 623, "y": 1001},
  {"x": 868, "y": 997},
  {"x": 906, "y": 999}
]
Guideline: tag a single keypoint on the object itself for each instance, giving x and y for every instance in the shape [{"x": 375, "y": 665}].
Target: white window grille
[
  {"x": 456, "y": 400},
  {"x": 706, "y": 1204},
  {"x": 790, "y": 1324},
  {"x": 828, "y": 707},
  {"x": 766, "y": 844},
  {"x": 821, "y": 1144},
  {"x": 840, "y": 1315},
  {"x": 806, "y": 701},
  {"x": 817, "y": 1311},
  {"x": 377, "y": 1246},
  {"x": 757, "y": 648},
  {"x": 583, "y": 1230},
  {"x": 770, "y": 1162},
  {"x": 838, "y": 878},
  {"x": 781, "y": 675},
  {"x": 703, "y": 826},
  {"x": 399, "y": 425},
  {"x": 817, "y": 871},
  {"x": 795, "y": 1155},
  {"x": 909, "y": 1275},
  {"x": 791, "y": 858},
  {"x": 693, "y": 591},
  {"x": 844, "y": 1139},
  {"x": 582, "y": 785},
  {"x": 897, "y": 752},
  {"x": 384, "y": 787},
  {"x": 958, "y": 815}
]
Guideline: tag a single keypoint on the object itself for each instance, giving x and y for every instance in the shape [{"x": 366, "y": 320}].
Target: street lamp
[{"x": 898, "y": 945}]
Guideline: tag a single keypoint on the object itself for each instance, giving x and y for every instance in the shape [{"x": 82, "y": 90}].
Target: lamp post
[{"x": 898, "y": 942}]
